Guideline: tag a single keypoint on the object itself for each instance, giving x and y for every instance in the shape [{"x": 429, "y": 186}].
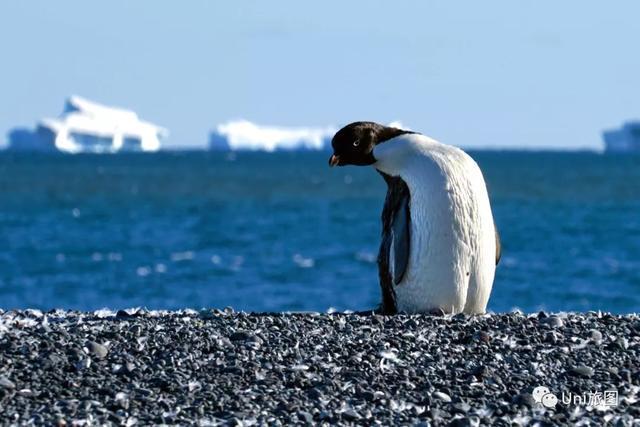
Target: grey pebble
[
  {"x": 305, "y": 416},
  {"x": 461, "y": 407},
  {"x": 595, "y": 335},
  {"x": 582, "y": 371},
  {"x": 97, "y": 350},
  {"x": 6, "y": 383},
  {"x": 552, "y": 321},
  {"x": 351, "y": 414},
  {"x": 442, "y": 396},
  {"x": 240, "y": 336}
]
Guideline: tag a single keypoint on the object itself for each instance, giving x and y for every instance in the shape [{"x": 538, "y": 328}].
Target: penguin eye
[{"x": 356, "y": 142}]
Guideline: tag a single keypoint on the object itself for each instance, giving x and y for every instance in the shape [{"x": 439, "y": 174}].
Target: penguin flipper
[
  {"x": 393, "y": 256},
  {"x": 498, "y": 245},
  {"x": 400, "y": 233}
]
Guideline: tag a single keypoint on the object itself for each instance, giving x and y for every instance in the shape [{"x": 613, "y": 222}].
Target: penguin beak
[{"x": 334, "y": 160}]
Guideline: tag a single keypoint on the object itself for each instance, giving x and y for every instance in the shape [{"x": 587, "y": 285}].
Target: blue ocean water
[{"x": 272, "y": 232}]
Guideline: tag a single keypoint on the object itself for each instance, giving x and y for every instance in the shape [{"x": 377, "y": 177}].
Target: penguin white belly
[{"x": 452, "y": 248}]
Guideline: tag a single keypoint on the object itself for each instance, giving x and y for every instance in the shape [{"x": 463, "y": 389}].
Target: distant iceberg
[
  {"x": 88, "y": 127},
  {"x": 623, "y": 140},
  {"x": 244, "y": 135}
]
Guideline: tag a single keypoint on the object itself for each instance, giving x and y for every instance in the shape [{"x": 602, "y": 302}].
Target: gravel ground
[{"x": 220, "y": 367}]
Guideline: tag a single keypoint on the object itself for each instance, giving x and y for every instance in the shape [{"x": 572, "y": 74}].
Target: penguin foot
[{"x": 381, "y": 310}]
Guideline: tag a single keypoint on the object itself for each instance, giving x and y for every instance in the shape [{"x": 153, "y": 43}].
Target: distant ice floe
[
  {"x": 86, "y": 126},
  {"x": 245, "y": 135}
]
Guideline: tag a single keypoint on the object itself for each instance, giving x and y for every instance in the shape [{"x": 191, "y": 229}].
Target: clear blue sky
[{"x": 533, "y": 74}]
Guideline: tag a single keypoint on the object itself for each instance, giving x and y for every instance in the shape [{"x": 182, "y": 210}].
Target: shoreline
[{"x": 219, "y": 367}]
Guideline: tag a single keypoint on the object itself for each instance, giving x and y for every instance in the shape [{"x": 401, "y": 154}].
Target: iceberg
[
  {"x": 88, "y": 127},
  {"x": 623, "y": 140},
  {"x": 245, "y": 135}
]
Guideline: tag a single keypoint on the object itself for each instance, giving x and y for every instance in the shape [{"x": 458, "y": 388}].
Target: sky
[{"x": 526, "y": 74}]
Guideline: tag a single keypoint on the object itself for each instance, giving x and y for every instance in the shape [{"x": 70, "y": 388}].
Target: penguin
[{"x": 440, "y": 246}]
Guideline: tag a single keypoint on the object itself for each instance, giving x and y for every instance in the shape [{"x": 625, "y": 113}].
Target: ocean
[{"x": 283, "y": 231}]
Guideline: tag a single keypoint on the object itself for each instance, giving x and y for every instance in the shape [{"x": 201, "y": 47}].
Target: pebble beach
[{"x": 220, "y": 367}]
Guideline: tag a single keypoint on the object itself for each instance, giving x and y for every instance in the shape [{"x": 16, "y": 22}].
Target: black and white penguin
[{"x": 440, "y": 246}]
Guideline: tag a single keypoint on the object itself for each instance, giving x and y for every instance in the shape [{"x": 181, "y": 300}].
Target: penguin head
[{"x": 354, "y": 143}]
